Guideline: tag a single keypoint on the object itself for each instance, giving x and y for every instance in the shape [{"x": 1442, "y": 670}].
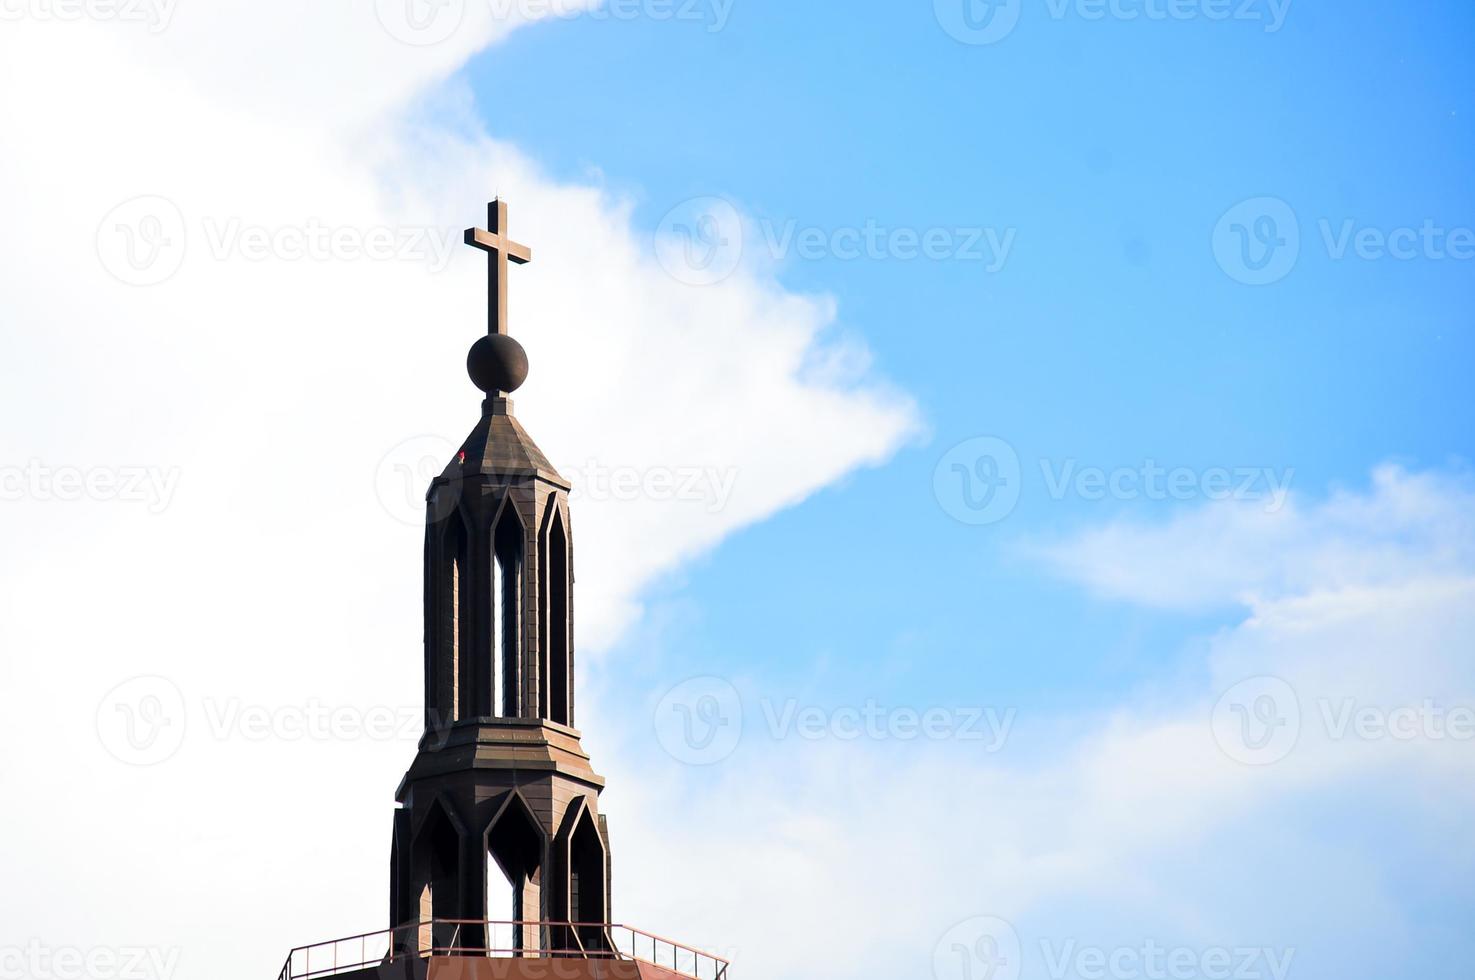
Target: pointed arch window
[
  {"x": 587, "y": 887},
  {"x": 437, "y": 858},
  {"x": 507, "y": 545},
  {"x": 455, "y": 618},
  {"x": 556, "y": 666},
  {"x": 514, "y": 878}
]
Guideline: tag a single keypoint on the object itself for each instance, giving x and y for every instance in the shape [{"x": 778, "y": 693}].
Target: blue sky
[{"x": 1110, "y": 337}]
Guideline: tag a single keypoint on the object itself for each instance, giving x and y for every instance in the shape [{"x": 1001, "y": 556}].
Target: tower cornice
[{"x": 503, "y": 744}]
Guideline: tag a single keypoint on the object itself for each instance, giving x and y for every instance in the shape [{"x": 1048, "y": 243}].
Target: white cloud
[
  {"x": 273, "y": 386},
  {"x": 852, "y": 859},
  {"x": 1409, "y": 524},
  {"x": 259, "y": 375}
]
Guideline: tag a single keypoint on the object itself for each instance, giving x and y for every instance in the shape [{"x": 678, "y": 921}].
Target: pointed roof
[{"x": 500, "y": 447}]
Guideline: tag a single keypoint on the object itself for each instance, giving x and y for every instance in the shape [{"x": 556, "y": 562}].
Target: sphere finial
[{"x": 497, "y": 363}]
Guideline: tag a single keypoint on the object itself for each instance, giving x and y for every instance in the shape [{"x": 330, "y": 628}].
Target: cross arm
[{"x": 489, "y": 241}]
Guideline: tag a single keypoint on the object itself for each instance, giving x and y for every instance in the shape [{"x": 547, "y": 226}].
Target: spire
[
  {"x": 499, "y": 849},
  {"x": 498, "y": 365},
  {"x": 501, "y": 801}
]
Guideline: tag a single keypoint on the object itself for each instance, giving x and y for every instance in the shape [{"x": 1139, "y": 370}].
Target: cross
[{"x": 500, "y": 250}]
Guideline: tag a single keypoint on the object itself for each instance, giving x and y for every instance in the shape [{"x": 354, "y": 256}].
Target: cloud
[
  {"x": 1180, "y": 816},
  {"x": 277, "y": 338},
  {"x": 225, "y": 266},
  {"x": 1409, "y": 524}
]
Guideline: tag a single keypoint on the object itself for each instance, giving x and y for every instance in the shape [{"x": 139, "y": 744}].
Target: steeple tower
[
  {"x": 501, "y": 794},
  {"x": 500, "y": 856}
]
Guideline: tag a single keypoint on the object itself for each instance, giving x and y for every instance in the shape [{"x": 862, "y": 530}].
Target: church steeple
[
  {"x": 501, "y": 796},
  {"x": 499, "y": 849}
]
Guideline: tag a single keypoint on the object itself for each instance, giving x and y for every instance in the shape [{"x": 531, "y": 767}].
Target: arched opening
[
  {"x": 507, "y": 546},
  {"x": 587, "y": 896},
  {"x": 514, "y": 880},
  {"x": 437, "y": 854},
  {"x": 454, "y": 610},
  {"x": 556, "y": 666}
]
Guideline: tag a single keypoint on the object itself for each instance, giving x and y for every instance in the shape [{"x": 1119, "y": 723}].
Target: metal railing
[
  {"x": 666, "y": 953},
  {"x": 502, "y": 940}
]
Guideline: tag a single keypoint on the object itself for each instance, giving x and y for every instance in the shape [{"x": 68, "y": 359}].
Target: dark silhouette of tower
[
  {"x": 501, "y": 795},
  {"x": 501, "y": 790}
]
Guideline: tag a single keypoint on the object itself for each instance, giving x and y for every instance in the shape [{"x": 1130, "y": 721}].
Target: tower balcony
[{"x": 470, "y": 949}]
